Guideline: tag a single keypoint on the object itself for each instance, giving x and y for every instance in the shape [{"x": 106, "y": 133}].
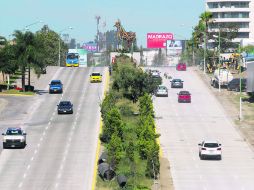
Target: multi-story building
[{"x": 238, "y": 12}]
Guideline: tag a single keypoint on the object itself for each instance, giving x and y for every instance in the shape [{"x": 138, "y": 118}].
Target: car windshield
[
  {"x": 211, "y": 145},
  {"x": 55, "y": 83},
  {"x": 65, "y": 103},
  {"x": 96, "y": 74},
  {"x": 14, "y": 132},
  {"x": 177, "y": 80},
  {"x": 184, "y": 93}
]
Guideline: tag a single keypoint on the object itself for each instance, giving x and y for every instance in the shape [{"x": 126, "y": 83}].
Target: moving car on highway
[
  {"x": 184, "y": 96},
  {"x": 210, "y": 149},
  {"x": 176, "y": 83},
  {"x": 65, "y": 107},
  {"x": 181, "y": 67},
  {"x": 161, "y": 91},
  {"x": 95, "y": 77},
  {"x": 14, "y": 137},
  {"x": 55, "y": 86}
]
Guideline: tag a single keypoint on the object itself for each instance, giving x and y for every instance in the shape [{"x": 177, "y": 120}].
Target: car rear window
[
  {"x": 96, "y": 74},
  {"x": 211, "y": 145},
  {"x": 55, "y": 83},
  {"x": 65, "y": 103}
]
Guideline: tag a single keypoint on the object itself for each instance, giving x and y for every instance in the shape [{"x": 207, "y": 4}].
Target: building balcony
[
  {"x": 218, "y": 1},
  {"x": 227, "y": 9},
  {"x": 231, "y": 20}
]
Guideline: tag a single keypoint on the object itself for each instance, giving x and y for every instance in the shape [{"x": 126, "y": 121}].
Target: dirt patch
[
  {"x": 165, "y": 182},
  {"x": 230, "y": 101}
]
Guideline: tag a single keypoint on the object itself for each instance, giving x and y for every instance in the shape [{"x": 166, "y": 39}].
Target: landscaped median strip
[{"x": 99, "y": 142}]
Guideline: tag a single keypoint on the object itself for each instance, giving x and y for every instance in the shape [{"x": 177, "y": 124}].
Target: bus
[{"x": 72, "y": 60}]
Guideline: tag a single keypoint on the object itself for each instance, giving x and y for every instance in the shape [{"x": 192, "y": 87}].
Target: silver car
[{"x": 161, "y": 91}]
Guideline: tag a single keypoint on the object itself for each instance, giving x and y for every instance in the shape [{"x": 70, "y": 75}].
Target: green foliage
[
  {"x": 115, "y": 149},
  {"x": 112, "y": 125},
  {"x": 48, "y": 44}
]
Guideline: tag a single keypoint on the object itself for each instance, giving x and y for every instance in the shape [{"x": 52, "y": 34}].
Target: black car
[
  {"x": 176, "y": 83},
  {"x": 65, "y": 107},
  {"x": 234, "y": 84}
]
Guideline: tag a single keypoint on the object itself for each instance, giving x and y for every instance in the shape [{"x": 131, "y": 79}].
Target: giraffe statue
[{"x": 129, "y": 37}]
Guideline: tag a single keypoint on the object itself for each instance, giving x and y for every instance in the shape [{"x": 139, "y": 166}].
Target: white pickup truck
[
  {"x": 221, "y": 76},
  {"x": 14, "y": 137}
]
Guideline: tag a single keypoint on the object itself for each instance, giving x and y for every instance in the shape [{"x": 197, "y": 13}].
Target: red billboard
[{"x": 158, "y": 40}]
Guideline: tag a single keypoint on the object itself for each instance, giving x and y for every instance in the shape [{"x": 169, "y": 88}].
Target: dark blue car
[{"x": 55, "y": 86}]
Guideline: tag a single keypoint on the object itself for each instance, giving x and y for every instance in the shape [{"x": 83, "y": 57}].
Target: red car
[
  {"x": 181, "y": 67},
  {"x": 184, "y": 96}
]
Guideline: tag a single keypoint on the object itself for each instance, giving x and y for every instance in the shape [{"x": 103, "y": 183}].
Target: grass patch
[{"x": 16, "y": 92}]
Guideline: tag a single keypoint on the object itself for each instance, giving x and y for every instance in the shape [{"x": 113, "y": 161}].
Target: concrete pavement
[
  {"x": 183, "y": 126},
  {"x": 60, "y": 152}
]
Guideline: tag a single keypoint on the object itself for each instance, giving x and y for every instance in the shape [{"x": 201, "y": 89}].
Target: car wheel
[{"x": 4, "y": 147}]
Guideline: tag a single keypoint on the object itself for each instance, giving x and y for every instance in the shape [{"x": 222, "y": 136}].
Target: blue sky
[{"x": 140, "y": 16}]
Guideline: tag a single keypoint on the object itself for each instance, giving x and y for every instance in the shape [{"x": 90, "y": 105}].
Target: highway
[
  {"x": 182, "y": 126},
  {"x": 61, "y": 149}
]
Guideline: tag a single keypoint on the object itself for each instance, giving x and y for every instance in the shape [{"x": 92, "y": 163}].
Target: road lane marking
[
  {"x": 35, "y": 151},
  {"x": 28, "y": 167},
  {"x": 32, "y": 159},
  {"x": 20, "y": 185},
  {"x": 24, "y": 176}
]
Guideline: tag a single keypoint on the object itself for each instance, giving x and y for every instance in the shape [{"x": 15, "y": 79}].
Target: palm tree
[{"x": 25, "y": 50}]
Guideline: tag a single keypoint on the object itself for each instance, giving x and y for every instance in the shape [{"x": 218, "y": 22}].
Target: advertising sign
[
  {"x": 90, "y": 46},
  {"x": 82, "y": 57},
  {"x": 174, "y": 47},
  {"x": 158, "y": 40}
]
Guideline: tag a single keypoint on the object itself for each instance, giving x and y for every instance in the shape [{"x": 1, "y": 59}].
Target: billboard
[
  {"x": 158, "y": 40},
  {"x": 174, "y": 47},
  {"x": 82, "y": 57},
  {"x": 90, "y": 46}
]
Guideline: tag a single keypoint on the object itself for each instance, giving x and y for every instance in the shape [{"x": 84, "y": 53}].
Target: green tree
[
  {"x": 49, "y": 46},
  {"x": 8, "y": 64}
]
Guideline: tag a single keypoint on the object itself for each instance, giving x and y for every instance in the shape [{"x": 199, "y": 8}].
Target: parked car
[
  {"x": 181, "y": 67},
  {"x": 234, "y": 84},
  {"x": 161, "y": 91},
  {"x": 55, "y": 86},
  {"x": 95, "y": 77},
  {"x": 184, "y": 96},
  {"x": 65, "y": 107},
  {"x": 210, "y": 149},
  {"x": 176, "y": 83},
  {"x": 14, "y": 138}
]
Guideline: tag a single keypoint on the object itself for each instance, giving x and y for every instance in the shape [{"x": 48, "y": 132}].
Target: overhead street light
[
  {"x": 59, "y": 43},
  {"x": 27, "y": 26}
]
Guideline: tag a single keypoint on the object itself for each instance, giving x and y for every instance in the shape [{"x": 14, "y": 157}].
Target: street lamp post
[
  {"x": 27, "y": 26},
  {"x": 59, "y": 44}
]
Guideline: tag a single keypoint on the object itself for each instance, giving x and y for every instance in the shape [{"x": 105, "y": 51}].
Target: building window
[
  {"x": 234, "y": 15},
  {"x": 243, "y": 35}
]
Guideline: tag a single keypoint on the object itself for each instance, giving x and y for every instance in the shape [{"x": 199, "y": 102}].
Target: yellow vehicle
[{"x": 95, "y": 77}]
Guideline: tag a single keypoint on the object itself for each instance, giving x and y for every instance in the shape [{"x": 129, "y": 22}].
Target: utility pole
[{"x": 97, "y": 36}]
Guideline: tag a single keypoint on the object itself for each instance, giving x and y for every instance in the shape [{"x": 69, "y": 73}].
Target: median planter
[{"x": 106, "y": 172}]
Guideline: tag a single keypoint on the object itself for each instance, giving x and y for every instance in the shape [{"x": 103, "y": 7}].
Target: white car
[
  {"x": 210, "y": 149},
  {"x": 14, "y": 138},
  {"x": 161, "y": 91}
]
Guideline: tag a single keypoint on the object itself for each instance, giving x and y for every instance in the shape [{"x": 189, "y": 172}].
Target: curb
[{"x": 99, "y": 142}]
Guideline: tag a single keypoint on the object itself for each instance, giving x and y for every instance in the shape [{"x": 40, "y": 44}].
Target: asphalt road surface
[
  {"x": 61, "y": 149},
  {"x": 183, "y": 125}
]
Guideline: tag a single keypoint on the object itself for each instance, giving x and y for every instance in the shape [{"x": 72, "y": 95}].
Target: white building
[{"x": 238, "y": 12}]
